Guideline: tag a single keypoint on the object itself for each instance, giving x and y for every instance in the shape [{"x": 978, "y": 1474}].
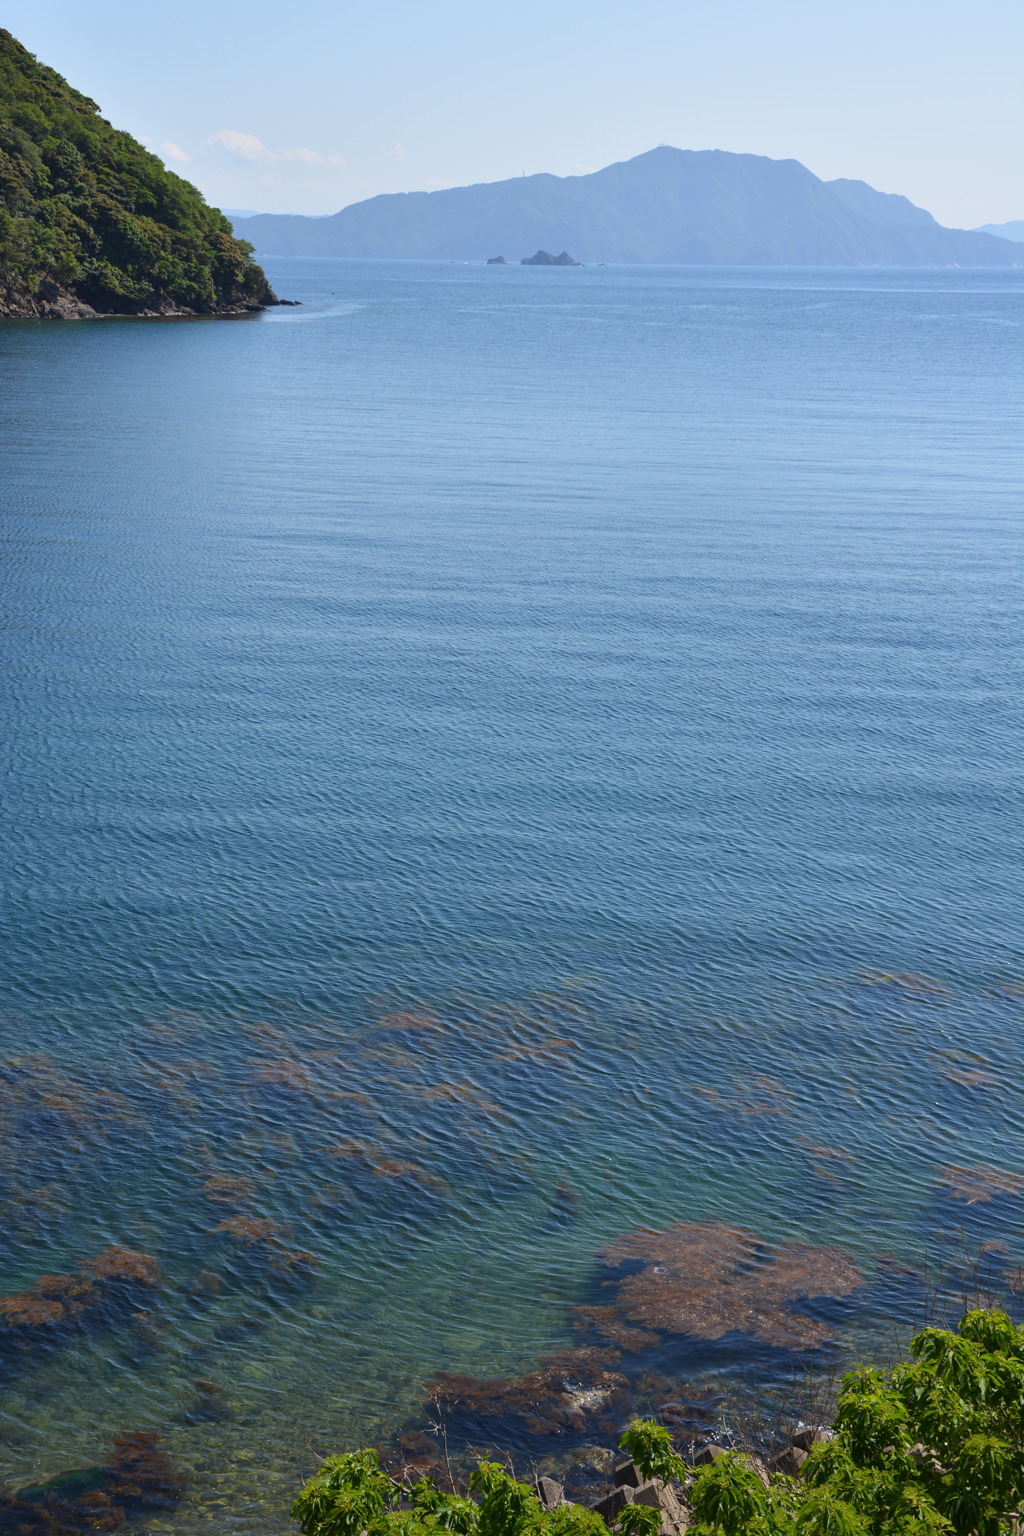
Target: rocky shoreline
[
  {"x": 629, "y": 1486},
  {"x": 51, "y": 300}
]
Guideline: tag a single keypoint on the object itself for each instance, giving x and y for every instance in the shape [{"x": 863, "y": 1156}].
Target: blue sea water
[{"x": 483, "y": 730}]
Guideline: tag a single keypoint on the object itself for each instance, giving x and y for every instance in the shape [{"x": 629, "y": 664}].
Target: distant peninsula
[
  {"x": 677, "y": 206},
  {"x": 92, "y": 224}
]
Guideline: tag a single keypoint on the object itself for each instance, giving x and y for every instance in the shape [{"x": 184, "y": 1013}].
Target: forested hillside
[{"x": 90, "y": 221}]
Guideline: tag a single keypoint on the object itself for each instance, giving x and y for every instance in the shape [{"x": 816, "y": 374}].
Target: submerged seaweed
[
  {"x": 708, "y": 1281},
  {"x": 103, "y": 1289}
]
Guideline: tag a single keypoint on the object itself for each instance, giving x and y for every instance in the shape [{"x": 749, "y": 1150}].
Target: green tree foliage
[
  {"x": 353, "y": 1494},
  {"x": 651, "y": 1449},
  {"x": 86, "y": 208},
  {"x": 932, "y": 1448}
]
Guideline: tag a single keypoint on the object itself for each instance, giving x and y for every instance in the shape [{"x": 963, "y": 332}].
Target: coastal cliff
[{"x": 92, "y": 224}]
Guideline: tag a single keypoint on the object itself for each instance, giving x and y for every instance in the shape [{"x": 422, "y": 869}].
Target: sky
[{"x": 307, "y": 106}]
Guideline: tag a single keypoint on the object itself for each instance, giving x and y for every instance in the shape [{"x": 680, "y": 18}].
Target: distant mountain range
[
  {"x": 692, "y": 207},
  {"x": 1014, "y": 230}
]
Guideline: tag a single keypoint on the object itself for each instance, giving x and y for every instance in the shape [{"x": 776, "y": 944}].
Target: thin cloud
[
  {"x": 398, "y": 153},
  {"x": 247, "y": 145},
  {"x": 311, "y": 157},
  {"x": 174, "y": 152}
]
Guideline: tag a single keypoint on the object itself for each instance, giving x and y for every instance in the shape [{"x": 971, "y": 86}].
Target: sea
[{"x": 493, "y": 759}]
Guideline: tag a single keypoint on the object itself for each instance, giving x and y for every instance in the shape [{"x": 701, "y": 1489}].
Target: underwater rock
[
  {"x": 565, "y": 1202},
  {"x": 250, "y": 1230},
  {"x": 138, "y": 1477},
  {"x": 414, "y": 1454},
  {"x": 549, "y": 1492},
  {"x": 571, "y": 1397},
  {"x": 405, "y": 1022},
  {"x": 209, "y": 1401},
  {"x": 223, "y": 1189},
  {"x": 708, "y": 1280},
  {"x": 904, "y": 981},
  {"x": 205, "y": 1286},
  {"x": 140, "y": 1474}
]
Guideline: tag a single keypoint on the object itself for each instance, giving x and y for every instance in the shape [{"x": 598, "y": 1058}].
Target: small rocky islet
[{"x": 539, "y": 259}]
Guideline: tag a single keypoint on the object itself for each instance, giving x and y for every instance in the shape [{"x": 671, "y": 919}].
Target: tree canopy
[{"x": 87, "y": 211}]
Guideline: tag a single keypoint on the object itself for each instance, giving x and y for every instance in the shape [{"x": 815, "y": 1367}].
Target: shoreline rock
[{"x": 51, "y": 300}]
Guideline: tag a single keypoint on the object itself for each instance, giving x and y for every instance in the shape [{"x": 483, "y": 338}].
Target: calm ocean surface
[{"x": 482, "y": 731}]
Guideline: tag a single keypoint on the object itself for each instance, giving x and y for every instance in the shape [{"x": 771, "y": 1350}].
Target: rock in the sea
[
  {"x": 707, "y": 1454},
  {"x": 496, "y": 261},
  {"x": 612, "y": 1505},
  {"x": 804, "y": 1439},
  {"x": 789, "y": 1462},
  {"x": 653, "y": 1494},
  {"x": 549, "y": 1492},
  {"x": 545, "y": 259}
]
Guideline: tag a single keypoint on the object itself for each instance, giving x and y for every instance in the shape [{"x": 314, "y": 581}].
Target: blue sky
[{"x": 305, "y": 106}]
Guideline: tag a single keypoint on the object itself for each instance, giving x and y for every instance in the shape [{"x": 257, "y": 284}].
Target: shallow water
[{"x": 483, "y": 730}]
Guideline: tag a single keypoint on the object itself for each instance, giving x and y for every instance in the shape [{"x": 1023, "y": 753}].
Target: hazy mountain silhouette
[
  {"x": 669, "y": 205},
  {"x": 1014, "y": 230}
]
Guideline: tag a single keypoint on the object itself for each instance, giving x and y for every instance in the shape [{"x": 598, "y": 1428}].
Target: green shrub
[{"x": 932, "y": 1448}]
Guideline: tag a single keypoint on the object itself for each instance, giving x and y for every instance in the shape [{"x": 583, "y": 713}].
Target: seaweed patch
[{"x": 707, "y": 1280}]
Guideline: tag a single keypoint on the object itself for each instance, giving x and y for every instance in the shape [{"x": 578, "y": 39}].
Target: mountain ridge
[
  {"x": 1013, "y": 229},
  {"x": 673, "y": 206}
]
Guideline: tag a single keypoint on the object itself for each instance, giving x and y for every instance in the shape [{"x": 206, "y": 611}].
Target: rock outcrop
[{"x": 545, "y": 259}]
